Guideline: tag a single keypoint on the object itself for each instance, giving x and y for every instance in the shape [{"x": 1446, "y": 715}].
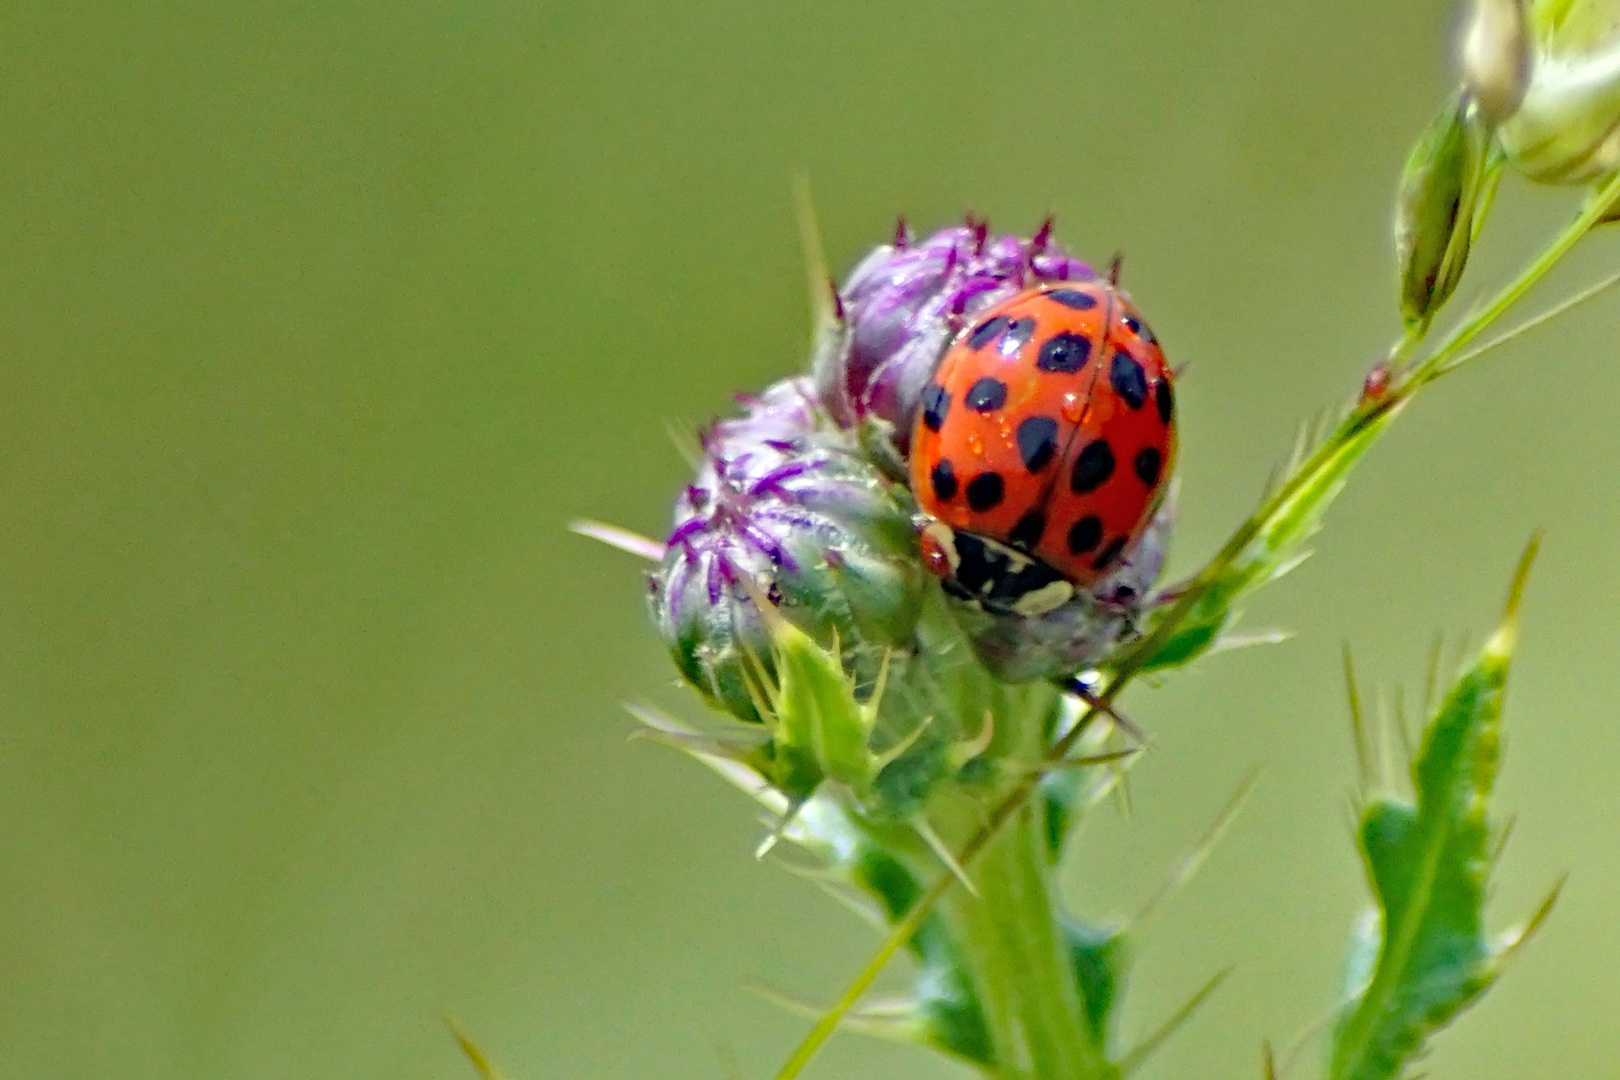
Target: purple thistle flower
[
  {"x": 905, "y": 301},
  {"x": 785, "y": 510}
]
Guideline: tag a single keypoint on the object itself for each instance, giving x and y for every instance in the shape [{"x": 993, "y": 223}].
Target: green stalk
[
  {"x": 1014, "y": 952},
  {"x": 1333, "y": 454},
  {"x": 1446, "y": 357}
]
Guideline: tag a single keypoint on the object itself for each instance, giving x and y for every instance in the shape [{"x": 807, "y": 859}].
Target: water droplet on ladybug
[
  {"x": 976, "y": 445},
  {"x": 1073, "y": 407}
]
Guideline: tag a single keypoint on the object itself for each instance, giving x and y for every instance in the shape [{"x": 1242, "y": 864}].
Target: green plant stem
[
  {"x": 1014, "y": 951},
  {"x": 1445, "y": 357}
]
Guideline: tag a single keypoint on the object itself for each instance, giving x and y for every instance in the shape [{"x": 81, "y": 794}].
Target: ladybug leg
[{"x": 1075, "y": 685}]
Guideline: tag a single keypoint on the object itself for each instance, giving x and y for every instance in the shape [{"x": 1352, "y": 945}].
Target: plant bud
[
  {"x": 1566, "y": 129},
  {"x": 906, "y": 299},
  {"x": 1435, "y": 209},
  {"x": 786, "y": 511},
  {"x": 1496, "y": 57}
]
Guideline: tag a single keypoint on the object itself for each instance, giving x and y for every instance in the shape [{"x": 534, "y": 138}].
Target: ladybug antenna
[
  {"x": 1042, "y": 237},
  {"x": 1113, "y": 267},
  {"x": 902, "y": 233}
]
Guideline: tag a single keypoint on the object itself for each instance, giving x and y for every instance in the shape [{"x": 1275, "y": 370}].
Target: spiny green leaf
[
  {"x": 1422, "y": 956},
  {"x": 1273, "y": 540}
]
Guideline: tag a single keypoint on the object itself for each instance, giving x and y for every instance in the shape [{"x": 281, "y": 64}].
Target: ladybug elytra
[{"x": 1043, "y": 446}]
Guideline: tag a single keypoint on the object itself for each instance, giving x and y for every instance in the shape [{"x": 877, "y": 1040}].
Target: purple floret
[{"x": 905, "y": 301}]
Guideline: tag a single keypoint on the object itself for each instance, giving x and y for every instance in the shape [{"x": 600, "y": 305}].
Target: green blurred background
[{"x": 319, "y": 321}]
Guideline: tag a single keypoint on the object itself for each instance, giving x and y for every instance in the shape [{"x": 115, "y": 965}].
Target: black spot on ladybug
[
  {"x": 1074, "y": 298},
  {"x": 1147, "y": 465},
  {"x": 1164, "y": 398},
  {"x": 1128, "y": 380},
  {"x": 986, "y": 395},
  {"x": 1064, "y": 353},
  {"x": 984, "y": 492},
  {"x": 986, "y": 332},
  {"x": 1109, "y": 553},
  {"x": 1027, "y": 533},
  {"x": 936, "y": 403},
  {"x": 1017, "y": 333},
  {"x": 1085, "y": 534},
  {"x": 943, "y": 477},
  {"x": 1092, "y": 468},
  {"x": 1037, "y": 442},
  {"x": 1139, "y": 328}
]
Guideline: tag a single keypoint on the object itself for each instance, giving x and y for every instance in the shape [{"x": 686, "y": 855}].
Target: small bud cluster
[
  {"x": 1540, "y": 93},
  {"x": 796, "y": 506}
]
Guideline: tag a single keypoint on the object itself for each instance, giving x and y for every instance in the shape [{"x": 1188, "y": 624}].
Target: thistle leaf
[
  {"x": 1422, "y": 955},
  {"x": 1268, "y": 546}
]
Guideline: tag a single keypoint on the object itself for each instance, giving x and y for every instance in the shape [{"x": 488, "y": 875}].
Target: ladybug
[{"x": 1042, "y": 447}]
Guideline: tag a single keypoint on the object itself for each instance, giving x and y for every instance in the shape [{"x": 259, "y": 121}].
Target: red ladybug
[{"x": 1043, "y": 446}]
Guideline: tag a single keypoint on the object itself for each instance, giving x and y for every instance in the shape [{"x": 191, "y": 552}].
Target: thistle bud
[
  {"x": 906, "y": 299},
  {"x": 785, "y": 511},
  {"x": 1566, "y": 129},
  {"x": 1082, "y": 632},
  {"x": 1435, "y": 209}
]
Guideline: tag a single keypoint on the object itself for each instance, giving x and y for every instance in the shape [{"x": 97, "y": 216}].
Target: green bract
[{"x": 1446, "y": 176}]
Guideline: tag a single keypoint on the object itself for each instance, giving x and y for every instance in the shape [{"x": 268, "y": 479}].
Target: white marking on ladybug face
[
  {"x": 1016, "y": 563},
  {"x": 1049, "y": 597}
]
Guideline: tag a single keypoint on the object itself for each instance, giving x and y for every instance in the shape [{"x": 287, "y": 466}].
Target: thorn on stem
[
  {"x": 837, "y": 302},
  {"x": 1076, "y": 686},
  {"x": 902, "y": 233},
  {"x": 1114, "y": 266},
  {"x": 1042, "y": 237}
]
